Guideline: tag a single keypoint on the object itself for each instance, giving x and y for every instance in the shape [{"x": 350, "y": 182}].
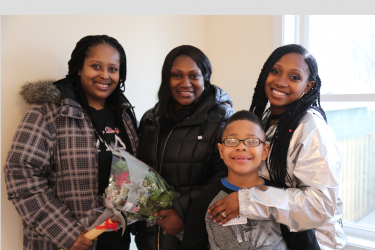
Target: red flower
[{"x": 121, "y": 179}]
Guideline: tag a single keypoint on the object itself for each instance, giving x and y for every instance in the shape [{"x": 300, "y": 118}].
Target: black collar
[{"x": 276, "y": 117}]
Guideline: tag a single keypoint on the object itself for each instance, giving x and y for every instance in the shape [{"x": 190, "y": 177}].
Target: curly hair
[{"x": 290, "y": 119}]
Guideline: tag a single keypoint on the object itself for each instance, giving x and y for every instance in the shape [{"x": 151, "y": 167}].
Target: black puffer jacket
[{"x": 189, "y": 160}]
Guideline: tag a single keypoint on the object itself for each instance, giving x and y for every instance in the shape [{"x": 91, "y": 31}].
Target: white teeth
[
  {"x": 103, "y": 85},
  {"x": 277, "y": 92},
  {"x": 185, "y": 92}
]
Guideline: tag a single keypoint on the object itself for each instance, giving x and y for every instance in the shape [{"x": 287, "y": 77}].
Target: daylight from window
[{"x": 344, "y": 47}]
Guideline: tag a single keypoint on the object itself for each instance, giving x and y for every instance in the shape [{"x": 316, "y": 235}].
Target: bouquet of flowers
[{"x": 135, "y": 189}]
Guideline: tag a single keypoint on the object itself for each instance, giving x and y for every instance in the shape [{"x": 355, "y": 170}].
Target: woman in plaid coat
[{"x": 54, "y": 167}]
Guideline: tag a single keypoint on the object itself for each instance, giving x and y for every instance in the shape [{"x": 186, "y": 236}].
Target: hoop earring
[{"x": 301, "y": 95}]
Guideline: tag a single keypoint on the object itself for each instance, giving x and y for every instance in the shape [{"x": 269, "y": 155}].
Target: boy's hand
[
  {"x": 229, "y": 204},
  {"x": 171, "y": 223}
]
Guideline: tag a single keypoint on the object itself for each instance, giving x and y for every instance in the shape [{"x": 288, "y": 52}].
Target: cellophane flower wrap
[{"x": 137, "y": 189}]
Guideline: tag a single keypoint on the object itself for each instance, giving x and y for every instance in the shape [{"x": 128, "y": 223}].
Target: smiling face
[
  {"x": 286, "y": 82},
  {"x": 186, "y": 82},
  {"x": 100, "y": 74},
  {"x": 241, "y": 160}
]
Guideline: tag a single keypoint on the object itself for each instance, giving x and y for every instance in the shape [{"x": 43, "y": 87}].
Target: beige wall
[
  {"x": 237, "y": 47},
  {"x": 39, "y": 47}
]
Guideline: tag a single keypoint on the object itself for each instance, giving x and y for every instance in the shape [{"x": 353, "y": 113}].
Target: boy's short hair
[{"x": 244, "y": 115}]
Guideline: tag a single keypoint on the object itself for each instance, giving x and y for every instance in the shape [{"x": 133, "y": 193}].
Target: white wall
[{"x": 39, "y": 47}]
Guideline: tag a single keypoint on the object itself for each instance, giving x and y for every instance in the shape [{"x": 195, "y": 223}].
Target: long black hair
[
  {"x": 290, "y": 119},
  {"x": 73, "y": 80},
  {"x": 165, "y": 94}
]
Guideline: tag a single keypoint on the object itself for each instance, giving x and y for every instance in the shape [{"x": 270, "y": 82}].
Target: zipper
[
  {"x": 158, "y": 238},
  {"x": 157, "y": 142},
  {"x": 161, "y": 162},
  {"x": 162, "y": 154}
]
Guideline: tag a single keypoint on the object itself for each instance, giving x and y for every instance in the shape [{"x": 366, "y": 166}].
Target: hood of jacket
[
  {"x": 40, "y": 92},
  {"x": 218, "y": 97},
  {"x": 222, "y": 97},
  {"x": 43, "y": 91}
]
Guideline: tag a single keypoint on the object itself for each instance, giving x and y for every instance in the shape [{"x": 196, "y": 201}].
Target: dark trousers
[{"x": 114, "y": 240}]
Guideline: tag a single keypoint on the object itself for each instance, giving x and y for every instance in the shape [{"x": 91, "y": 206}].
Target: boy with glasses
[{"x": 243, "y": 149}]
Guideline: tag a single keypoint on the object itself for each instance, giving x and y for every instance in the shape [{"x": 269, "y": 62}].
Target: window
[{"x": 344, "y": 47}]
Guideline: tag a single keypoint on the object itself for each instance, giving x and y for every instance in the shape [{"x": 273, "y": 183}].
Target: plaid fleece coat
[{"x": 51, "y": 172}]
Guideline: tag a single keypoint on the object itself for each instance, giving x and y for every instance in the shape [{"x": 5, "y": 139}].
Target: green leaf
[
  {"x": 119, "y": 166},
  {"x": 146, "y": 210},
  {"x": 165, "y": 197},
  {"x": 155, "y": 195},
  {"x": 164, "y": 204}
]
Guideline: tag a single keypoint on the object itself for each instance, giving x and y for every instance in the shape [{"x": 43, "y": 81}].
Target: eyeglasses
[{"x": 251, "y": 142}]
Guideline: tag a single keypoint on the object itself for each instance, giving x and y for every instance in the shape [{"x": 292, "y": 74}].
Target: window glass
[
  {"x": 354, "y": 127},
  {"x": 344, "y": 47}
]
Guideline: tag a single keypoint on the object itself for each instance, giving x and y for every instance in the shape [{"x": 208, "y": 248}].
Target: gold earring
[{"x": 301, "y": 95}]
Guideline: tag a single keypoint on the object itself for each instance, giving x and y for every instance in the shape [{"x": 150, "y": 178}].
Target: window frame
[
  {"x": 299, "y": 33},
  {"x": 296, "y": 29}
]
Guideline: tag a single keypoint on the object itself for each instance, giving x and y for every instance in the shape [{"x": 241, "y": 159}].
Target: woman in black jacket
[{"x": 178, "y": 138}]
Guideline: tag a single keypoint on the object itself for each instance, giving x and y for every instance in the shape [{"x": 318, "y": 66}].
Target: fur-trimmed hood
[{"x": 40, "y": 92}]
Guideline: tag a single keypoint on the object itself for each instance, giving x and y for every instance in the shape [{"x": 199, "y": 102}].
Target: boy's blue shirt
[{"x": 229, "y": 185}]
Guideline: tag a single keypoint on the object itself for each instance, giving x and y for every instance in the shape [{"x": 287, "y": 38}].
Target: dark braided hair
[
  {"x": 73, "y": 80},
  {"x": 165, "y": 94},
  {"x": 290, "y": 119}
]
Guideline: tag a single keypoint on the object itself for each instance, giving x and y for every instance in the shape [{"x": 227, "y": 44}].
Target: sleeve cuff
[
  {"x": 179, "y": 211},
  {"x": 241, "y": 201},
  {"x": 71, "y": 237}
]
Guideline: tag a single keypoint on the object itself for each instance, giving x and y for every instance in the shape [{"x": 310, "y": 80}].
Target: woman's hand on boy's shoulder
[{"x": 229, "y": 204}]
